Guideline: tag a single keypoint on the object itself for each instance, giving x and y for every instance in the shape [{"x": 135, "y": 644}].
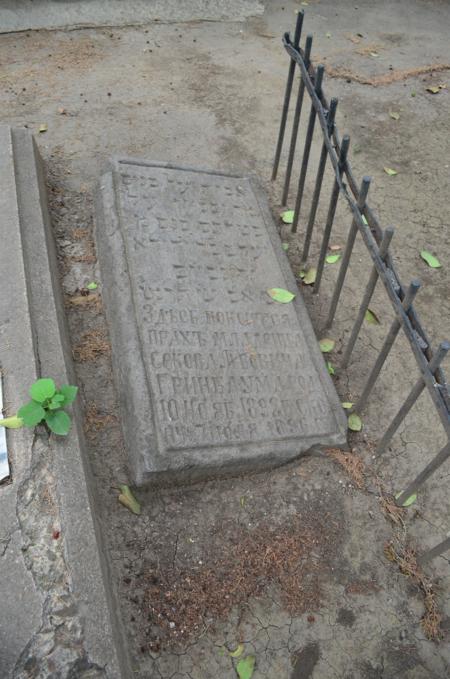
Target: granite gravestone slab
[{"x": 213, "y": 375}]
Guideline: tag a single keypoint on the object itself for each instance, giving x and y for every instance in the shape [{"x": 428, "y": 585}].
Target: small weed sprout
[{"x": 47, "y": 405}]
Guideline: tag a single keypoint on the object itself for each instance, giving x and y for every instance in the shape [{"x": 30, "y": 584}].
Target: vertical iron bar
[
  {"x": 440, "y": 458},
  {"x": 365, "y": 184},
  {"x": 434, "y": 552},
  {"x": 331, "y": 212},
  {"x": 414, "y": 394},
  {"x": 307, "y": 148},
  {"x": 318, "y": 186},
  {"x": 387, "y": 345},
  {"x": 287, "y": 95},
  {"x": 296, "y": 121},
  {"x": 384, "y": 245}
]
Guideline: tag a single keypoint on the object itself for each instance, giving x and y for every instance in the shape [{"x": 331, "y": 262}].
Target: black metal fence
[{"x": 377, "y": 241}]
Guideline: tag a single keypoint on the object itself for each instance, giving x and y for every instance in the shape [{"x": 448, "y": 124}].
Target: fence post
[
  {"x": 384, "y": 246},
  {"x": 307, "y": 148},
  {"x": 364, "y": 190},
  {"x": 287, "y": 95},
  {"x": 331, "y": 212},
  {"x": 318, "y": 185},
  {"x": 414, "y": 394},
  {"x": 296, "y": 122},
  {"x": 385, "y": 349},
  {"x": 440, "y": 458}
]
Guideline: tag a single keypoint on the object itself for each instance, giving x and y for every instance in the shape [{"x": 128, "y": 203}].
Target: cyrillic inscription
[{"x": 225, "y": 365}]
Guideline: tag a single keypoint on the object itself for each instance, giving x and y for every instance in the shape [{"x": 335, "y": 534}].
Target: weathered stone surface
[
  {"x": 20, "y": 15},
  {"x": 56, "y": 618},
  {"x": 213, "y": 375}
]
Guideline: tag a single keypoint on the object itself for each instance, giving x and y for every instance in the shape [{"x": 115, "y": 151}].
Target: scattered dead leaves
[
  {"x": 91, "y": 301},
  {"x": 386, "y": 78},
  {"x": 362, "y": 587},
  {"x": 351, "y": 462},
  {"x": 405, "y": 558},
  {"x": 392, "y": 511},
  {"x": 180, "y": 602},
  {"x": 369, "y": 49},
  {"x": 93, "y": 344},
  {"x": 94, "y": 420},
  {"x": 87, "y": 258},
  {"x": 80, "y": 234}
]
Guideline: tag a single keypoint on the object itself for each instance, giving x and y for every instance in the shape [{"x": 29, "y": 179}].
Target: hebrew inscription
[{"x": 225, "y": 365}]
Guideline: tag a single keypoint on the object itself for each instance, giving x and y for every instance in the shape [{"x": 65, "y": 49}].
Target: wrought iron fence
[{"x": 377, "y": 241}]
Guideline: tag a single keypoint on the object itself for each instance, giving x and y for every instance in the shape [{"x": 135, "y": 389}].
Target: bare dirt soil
[{"x": 310, "y": 568}]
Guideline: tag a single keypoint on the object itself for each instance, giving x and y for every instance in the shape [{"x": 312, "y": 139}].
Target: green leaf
[
  {"x": 413, "y": 94},
  {"x": 364, "y": 220},
  {"x": 371, "y": 317},
  {"x": 127, "y": 499},
  {"x": 281, "y": 295},
  {"x": 92, "y": 286},
  {"x": 310, "y": 276},
  {"x": 430, "y": 259},
  {"x": 43, "y": 128},
  {"x": 390, "y": 171},
  {"x": 354, "y": 422},
  {"x": 58, "y": 422},
  {"x": 409, "y": 500},
  {"x": 56, "y": 402},
  {"x": 287, "y": 216},
  {"x": 347, "y": 405},
  {"x": 330, "y": 368},
  {"x": 243, "y": 501},
  {"x": 42, "y": 389},
  {"x": 237, "y": 652},
  {"x": 301, "y": 274},
  {"x": 13, "y": 422},
  {"x": 326, "y": 345},
  {"x": 433, "y": 89},
  {"x": 394, "y": 115},
  {"x": 332, "y": 259},
  {"x": 69, "y": 392},
  {"x": 328, "y": 34},
  {"x": 245, "y": 667},
  {"x": 32, "y": 413},
  {"x": 285, "y": 246}
]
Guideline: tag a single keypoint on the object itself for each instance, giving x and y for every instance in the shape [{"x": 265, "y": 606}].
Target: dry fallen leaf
[
  {"x": 310, "y": 276},
  {"x": 127, "y": 499}
]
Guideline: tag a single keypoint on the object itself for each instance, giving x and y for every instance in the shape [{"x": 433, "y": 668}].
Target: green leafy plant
[{"x": 47, "y": 405}]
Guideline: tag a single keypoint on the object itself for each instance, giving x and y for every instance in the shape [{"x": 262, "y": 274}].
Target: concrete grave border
[{"x": 74, "y": 582}]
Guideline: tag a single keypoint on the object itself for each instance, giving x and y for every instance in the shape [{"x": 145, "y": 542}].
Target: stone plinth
[{"x": 213, "y": 375}]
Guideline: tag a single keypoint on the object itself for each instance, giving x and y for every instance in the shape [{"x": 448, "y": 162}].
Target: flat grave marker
[{"x": 213, "y": 375}]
